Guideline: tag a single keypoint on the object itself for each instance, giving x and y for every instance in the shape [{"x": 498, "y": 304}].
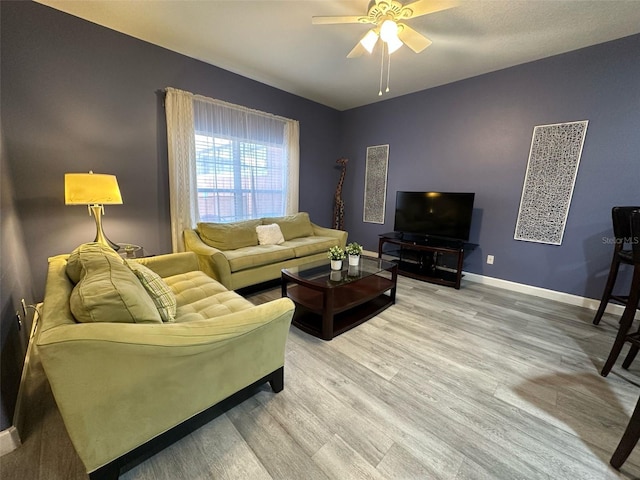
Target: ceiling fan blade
[
  {"x": 412, "y": 39},
  {"x": 357, "y": 51},
  {"x": 335, "y": 20},
  {"x": 424, "y": 7}
]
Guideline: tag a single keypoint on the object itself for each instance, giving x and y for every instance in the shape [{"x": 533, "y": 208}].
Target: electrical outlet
[
  {"x": 490, "y": 259},
  {"x": 24, "y": 307}
]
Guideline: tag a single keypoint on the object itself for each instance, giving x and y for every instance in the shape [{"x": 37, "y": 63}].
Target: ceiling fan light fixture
[
  {"x": 369, "y": 41},
  {"x": 385, "y": 15},
  {"x": 389, "y": 35},
  {"x": 394, "y": 44},
  {"x": 389, "y": 31}
]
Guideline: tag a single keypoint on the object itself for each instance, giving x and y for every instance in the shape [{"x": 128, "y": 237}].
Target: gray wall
[
  {"x": 76, "y": 96},
  {"x": 475, "y": 135},
  {"x": 79, "y": 97},
  {"x": 15, "y": 284}
]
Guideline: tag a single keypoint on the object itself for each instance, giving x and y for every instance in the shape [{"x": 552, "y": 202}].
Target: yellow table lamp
[{"x": 93, "y": 190}]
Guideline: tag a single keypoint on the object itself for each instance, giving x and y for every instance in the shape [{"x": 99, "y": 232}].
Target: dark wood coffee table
[{"x": 329, "y": 303}]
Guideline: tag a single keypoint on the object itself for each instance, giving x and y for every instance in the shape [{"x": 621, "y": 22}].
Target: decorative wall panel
[
  {"x": 375, "y": 183},
  {"x": 548, "y": 184}
]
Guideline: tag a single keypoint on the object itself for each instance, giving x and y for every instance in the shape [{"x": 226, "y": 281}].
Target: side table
[{"x": 129, "y": 250}]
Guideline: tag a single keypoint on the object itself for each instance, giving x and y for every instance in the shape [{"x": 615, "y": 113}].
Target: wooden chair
[
  {"x": 621, "y": 217},
  {"x": 629, "y": 439},
  {"x": 629, "y": 314}
]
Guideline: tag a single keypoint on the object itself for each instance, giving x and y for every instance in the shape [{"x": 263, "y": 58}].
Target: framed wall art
[
  {"x": 375, "y": 183},
  {"x": 551, "y": 174}
]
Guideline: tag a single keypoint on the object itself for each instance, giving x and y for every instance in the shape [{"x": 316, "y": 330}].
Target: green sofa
[
  {"x": 233, "y": 254},
  {"x": 130, "y": 386}
]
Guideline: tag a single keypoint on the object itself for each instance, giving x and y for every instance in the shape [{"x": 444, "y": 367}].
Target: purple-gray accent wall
[
  {"x": 474, "y": 136},
  {"x": 76, "y": 96},
  {"x": 15, "y": 284}
]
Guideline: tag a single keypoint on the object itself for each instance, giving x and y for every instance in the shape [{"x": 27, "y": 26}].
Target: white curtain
[
  {"x": 205, "y": 184},
  {"x": 218, "y": 119},
  {"x": 292, "y": 142},
  {"x": 183, "y": 185}
]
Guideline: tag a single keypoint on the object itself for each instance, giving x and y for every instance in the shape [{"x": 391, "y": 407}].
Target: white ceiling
[{"x": 275, "y": 43}]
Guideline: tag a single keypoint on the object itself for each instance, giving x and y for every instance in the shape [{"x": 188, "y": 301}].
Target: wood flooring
[{"x": 478, "y": 383}]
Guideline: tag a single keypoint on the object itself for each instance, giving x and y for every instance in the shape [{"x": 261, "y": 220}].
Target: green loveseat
[
  {"x": 127, "y": 389},
  {"x": 232, "y": 253}
]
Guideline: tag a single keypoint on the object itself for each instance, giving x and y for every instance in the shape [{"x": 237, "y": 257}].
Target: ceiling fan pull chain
[
  {"x": 381, "y": 69},
  {"x": 388, "y": 71}
]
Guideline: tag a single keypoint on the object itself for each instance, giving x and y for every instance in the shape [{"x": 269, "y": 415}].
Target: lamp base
[
  {"x": 105, "y": 241},
  {"x": 100, "y": 236}
]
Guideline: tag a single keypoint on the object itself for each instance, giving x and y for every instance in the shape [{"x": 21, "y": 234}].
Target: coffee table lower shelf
[
  {"x": 327, "y": 312},
  {"x": 311, "y": 322},
  {"x": 329, "y": 303}
]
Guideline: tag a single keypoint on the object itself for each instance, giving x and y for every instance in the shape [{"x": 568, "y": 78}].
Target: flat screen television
[{"x": 434, "y": 214}]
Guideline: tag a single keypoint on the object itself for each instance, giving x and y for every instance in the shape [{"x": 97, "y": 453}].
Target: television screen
[{"x": 438, "y": 214}]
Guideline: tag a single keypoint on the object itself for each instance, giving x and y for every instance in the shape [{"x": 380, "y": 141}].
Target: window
[
  {"x": 227, "y": 163},
  {"x": 238, "y": 179},
  {"x": 241, "y": 164}
]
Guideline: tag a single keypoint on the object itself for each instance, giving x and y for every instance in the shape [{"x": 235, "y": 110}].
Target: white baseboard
[
  {"x": 18, "y": 415},
  {"x": 9, "y": 440},
  {"x": 568, "y": 298}
]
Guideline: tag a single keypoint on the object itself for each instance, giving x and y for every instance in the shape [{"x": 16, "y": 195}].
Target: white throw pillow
[{"x": 269, "y": 234}]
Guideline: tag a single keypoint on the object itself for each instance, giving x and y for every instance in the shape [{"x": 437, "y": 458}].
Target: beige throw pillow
[
  {"x": 87, "y": 250},
  {"x": 229, "y": 236},
  {"x": 269, "y": 234},
  {"x": 108, "y": 291},
  {"x": 158, "y": 290},
  {"x": 292, "y": 226}
]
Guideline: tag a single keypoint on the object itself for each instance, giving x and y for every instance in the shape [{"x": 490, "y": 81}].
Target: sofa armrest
[
  {"x": 171, "y": 263},
  {"x": 194, "y": 334},
  {"x": 211, "y": 260},
  {"x": 341, "y": 235},
  {"x": 119, "y": 385}
]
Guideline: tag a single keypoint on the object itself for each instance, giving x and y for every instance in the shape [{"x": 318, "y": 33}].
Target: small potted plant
[
  {"x": 354, "y": 250},
  {"x": 336, "y": 255}
]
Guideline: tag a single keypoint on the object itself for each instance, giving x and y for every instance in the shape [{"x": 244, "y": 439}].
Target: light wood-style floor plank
[
  {"x": 478, "y": 383},
  {"x": 338, "y": 460},
  {"x": 401, "y": 464},
  {"x": 280, "y": 454}
]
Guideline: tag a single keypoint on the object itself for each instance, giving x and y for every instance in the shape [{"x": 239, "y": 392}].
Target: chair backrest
[
  {"x": 634, "y": 238},
  {"x": 622, "y": 223}
]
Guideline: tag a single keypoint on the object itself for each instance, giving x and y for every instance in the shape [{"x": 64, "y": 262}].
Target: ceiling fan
[{"x": 387, "y": 17}]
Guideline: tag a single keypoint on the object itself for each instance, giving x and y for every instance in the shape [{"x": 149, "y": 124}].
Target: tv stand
[{"x": 420, "y": 257}]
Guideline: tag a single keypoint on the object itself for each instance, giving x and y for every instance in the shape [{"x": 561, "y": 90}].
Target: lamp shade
[
  {"x": 393, "y": 44},
  {"x": 369, "y": 40},
  {"x": 388, "y": 30},
  {"x": 389, "y": 34},
  {"x": 91, "y": 189}
]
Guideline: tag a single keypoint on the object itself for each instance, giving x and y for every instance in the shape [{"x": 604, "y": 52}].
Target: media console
[{"x": 425, "y": 258}]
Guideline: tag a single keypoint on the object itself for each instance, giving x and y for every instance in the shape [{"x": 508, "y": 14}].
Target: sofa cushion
[
  {"x": 292, "y": 226},
  {"x": 249, "y": 257},
  {"x": 229, "y": 236},
  {"x": 305, "y": 246},
  {"x": 269, "y": 234},
  {"x": 86, "y": 250},
  {"x": 108, "y": 291},
  {"x": 158, "y": 290},
  {"x": 200, "y": 297}
]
